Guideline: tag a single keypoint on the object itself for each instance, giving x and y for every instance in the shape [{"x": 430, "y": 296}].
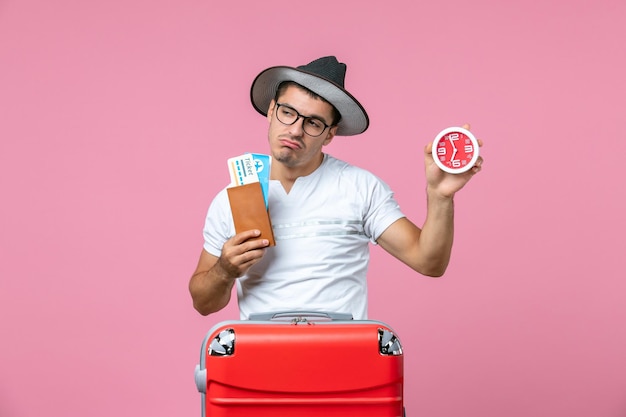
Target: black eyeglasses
[{"x": 312, "y": 126}]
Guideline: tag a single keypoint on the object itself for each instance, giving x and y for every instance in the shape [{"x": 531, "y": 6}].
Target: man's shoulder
[
  {"x": 221, "y": 197},
  {"x": 342, "y": 169},
  {"x": 341, "y": 166}
]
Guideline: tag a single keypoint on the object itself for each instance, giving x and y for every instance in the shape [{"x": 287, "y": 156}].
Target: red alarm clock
[{"x": 455, "y": 150}]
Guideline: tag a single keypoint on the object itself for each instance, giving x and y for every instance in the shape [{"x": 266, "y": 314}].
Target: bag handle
[{"x": 300, "y": 316}]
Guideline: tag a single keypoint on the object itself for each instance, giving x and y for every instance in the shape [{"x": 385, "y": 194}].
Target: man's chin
[{"x": 285, "y": 156}]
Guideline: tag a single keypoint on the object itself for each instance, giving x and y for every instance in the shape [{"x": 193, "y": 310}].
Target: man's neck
[{"x": 288, "y": 175}]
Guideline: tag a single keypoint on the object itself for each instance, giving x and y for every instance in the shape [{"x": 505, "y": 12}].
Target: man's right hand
[
  {"x": 240, "y": 252},
  {"x": 211, "y": 284}
]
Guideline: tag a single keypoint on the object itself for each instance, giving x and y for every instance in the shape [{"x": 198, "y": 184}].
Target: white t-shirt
[{"x": 322, "y": 228}]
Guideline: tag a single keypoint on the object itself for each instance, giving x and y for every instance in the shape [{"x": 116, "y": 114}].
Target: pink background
[{"x": 116, "y": 119}]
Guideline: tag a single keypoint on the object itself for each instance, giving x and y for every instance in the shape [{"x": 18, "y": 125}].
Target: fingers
[
  {"x": 246, "y": 259},
  {"x": 240, "y": 238},
  {"x": 242, "y": 251},
  {"x": 477, "y": 166},
  {"x": 243, "y": 243},
  {"x": 468, "y": 127},
  {"x": 479, "y": 162}
]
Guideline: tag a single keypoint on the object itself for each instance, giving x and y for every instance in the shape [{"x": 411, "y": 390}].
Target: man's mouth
[{"x": 291, "y": 144}]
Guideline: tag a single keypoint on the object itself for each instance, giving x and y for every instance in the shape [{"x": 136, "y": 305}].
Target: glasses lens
[
  {"x": 288, "y": 116},
  {"x": 313, "y": 127}
]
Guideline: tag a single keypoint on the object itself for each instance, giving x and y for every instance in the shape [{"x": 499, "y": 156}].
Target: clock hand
[{"x": 452, "y": 140}]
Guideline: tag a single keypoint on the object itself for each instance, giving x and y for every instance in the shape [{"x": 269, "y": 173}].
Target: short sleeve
[
  {"x": 382, "y": 208},
  {"x": 218, "y": 225}
]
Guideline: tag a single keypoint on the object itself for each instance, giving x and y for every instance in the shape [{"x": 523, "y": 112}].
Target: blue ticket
[{"x": 262, "y": 163}]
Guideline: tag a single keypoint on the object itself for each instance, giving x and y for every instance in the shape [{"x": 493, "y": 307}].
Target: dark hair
[{"x": 285, "y": 84}]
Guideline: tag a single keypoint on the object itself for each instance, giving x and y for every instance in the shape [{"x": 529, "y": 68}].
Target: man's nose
[{"x": 297, "y": 127}]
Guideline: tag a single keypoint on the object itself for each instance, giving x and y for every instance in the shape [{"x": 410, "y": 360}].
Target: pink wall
[{"x": 113, "y": 139}]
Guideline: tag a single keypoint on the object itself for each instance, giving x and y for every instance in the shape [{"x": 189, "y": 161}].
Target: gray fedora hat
[{"x": 325, "y": 77}]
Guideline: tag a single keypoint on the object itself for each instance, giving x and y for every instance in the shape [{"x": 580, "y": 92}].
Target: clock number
[
  {"x": 456, "y": 163},
  {"x": 453, "y": 136},
  {"x": 469, "y": 149},
  {"x": 441, "y": 151}
]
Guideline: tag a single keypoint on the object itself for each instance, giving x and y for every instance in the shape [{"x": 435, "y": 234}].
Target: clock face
[{"x": 455, "y": 150}]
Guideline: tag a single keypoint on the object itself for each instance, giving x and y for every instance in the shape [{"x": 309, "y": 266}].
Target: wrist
[
  {"x": 435, "y": 196},
  {"x": 222, "y": 272}
]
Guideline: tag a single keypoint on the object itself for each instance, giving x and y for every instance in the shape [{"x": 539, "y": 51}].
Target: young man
[{"x": 324, "y": 212}]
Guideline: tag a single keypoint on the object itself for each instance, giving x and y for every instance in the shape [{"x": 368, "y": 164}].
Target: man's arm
[
  {"x": 425, "y": 250},
  {"x": 428, "y": 250},
  {"x": 212, "y": 282}
]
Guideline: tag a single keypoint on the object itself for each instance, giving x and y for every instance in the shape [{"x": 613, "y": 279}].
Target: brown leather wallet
[{"x": 248, "y": 207}]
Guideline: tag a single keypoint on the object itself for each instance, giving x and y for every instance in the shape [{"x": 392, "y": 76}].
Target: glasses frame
[{"x": 304, "y": 120}]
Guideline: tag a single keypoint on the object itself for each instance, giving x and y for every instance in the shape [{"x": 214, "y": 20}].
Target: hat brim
[{"x": 354, "y": 119}]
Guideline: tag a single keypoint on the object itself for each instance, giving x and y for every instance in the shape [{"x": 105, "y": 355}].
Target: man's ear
[
  {"x": 270, "y": 110},
  {"x": 331, "y": 135}
]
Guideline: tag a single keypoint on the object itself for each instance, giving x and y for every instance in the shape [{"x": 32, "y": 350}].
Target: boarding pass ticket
[
  {"x": 242, "y": 170},
  {"x": 249, "y": 168}
]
